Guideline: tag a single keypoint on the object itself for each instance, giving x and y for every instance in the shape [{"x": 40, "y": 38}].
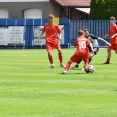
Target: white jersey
[{"x": 93, "y": 40}]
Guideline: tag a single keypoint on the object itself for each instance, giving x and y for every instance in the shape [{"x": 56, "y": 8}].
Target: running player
[
  {"x": 94, "y": 40},
  {"x": 82, "y": 44},
  {"x": 53, "y": 34},
  {"x": 113, "y": 35}
]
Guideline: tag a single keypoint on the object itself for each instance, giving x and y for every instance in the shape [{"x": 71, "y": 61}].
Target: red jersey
[
  {"x": 82, "y": 51},
  {"x": 111, "y": 32},
  {"x": 82, "y": 44},
  {"x": 51, "y": 31}
]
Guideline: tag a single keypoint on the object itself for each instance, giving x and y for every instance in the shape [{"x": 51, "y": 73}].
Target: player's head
[
  {"x": 112, "y": 19},
  {"x": 51, "y": 17},
  {"x": 86, "y": 32},
  {"x": 81, "y": 32}
]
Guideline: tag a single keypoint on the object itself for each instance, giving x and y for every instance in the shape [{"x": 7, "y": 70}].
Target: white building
[{"x": 17, "y": 8}]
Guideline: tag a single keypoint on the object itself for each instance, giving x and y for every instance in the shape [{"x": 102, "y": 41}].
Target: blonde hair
[
  {"x": 112, "y": 18},
  {"x": 51, "y": 16},
  {"x": 80, "y": 32}
]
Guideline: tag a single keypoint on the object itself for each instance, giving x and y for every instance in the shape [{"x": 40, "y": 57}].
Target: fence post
[{"x": 65, "y": 22}]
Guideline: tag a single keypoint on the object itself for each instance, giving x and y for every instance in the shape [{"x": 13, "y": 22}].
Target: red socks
[
  {"x": 60, "y": 57},
  {"x": 68, "y": 65},
  {"x": 50, "y": 58},
  {"x": 108, "y": 60},
  {"x": 86, "y": 64}
]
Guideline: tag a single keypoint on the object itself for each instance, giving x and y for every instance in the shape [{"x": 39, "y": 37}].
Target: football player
[{"x": 94, "y": 40}]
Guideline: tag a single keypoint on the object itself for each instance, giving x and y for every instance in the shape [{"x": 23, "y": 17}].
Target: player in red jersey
[
  {"x": 113, "y": 35},
  {"x": 94, "y": 40},
  {"x": 53, "y": 35},
  {"x": 82, "y": 44}
]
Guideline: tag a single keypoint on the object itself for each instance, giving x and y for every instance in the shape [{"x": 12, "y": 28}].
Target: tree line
[{"x": 102, "y": 9}]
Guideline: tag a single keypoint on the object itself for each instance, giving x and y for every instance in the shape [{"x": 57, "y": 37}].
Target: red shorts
[
  {"x": 112, "y": 47},
  {"x": 50, "y": 46},
  {"x": 77, "y": 57}
]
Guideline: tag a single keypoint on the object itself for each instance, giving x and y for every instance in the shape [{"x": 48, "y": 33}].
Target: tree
[
  {"x": 93, "y": 5},
  {"x": 102, "y": 9}
]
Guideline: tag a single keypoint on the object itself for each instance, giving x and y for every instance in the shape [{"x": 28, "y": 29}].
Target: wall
[
  {"x": 54, "y": 8},
  {"x": 23, "y": 33},
  {"x": 75, "y": 15},
  {"x": 15, "y": 8}
]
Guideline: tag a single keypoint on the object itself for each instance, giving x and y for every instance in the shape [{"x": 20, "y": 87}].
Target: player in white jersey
[{"x": 94, "y": 40}]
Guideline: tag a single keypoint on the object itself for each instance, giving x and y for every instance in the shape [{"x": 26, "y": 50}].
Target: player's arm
[
  {"x": 58, "y": 31},
  {"x": 99, "y": 38},
  {"x": 59, "y": 36},
  {"x": 113, "y": 36},
  {"x": 93, "y": 36},
  {"x": 75, "y": 43},
  {"x": 90, "y": 44},
  {"x": 41, "y": 34},
  {"x": 106, "y": 35},
  {"x": 115, "y": 33}
]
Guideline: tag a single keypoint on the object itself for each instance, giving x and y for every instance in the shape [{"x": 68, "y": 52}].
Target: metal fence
[{"x": 96, "y": 27}]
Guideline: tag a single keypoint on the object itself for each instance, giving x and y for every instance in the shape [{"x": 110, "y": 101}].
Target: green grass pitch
[{"x": 29, "y": 88}]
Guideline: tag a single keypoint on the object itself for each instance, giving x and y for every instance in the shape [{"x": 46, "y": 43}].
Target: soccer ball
[{"x": 91, "y": 68}]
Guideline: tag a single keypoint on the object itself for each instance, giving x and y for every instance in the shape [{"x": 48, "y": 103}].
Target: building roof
[{"x": 78, "y": 3}]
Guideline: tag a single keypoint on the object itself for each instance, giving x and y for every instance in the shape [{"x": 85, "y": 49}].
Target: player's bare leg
[
  {"x": 50, "y": 59},
  {"x": 67, "y": 67},
  {"x": 91, "y": 56},
  {"x": 86, "y": 66},
  {"x": 108, "y": 57},
  {"x": 60, "y": 57},
  {"x": 77, "y": 64}
]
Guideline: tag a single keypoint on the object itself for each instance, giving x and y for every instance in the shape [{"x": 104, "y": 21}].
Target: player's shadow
[
  {"x": 114, "y": 90},
  {"x": 79, "y": 73},
  {"x": 41, "y": 68},
  {"x": 72, "y": 73},
  {"x": 34, "y": 68},
  {"x": 96, "y": 64},
  {"x": 75, "y": 69}
]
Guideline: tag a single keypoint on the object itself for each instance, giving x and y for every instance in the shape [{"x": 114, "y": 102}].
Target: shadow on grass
[
  {"x": 73, "y": 73},
  {"x": 75, "y": 69},
  {"x": 100, "y": 64},
  {"x": 34, "y": 68}
]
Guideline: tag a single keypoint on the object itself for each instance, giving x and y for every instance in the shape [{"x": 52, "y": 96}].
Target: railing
[
  {"x": 96, "y": 27},
  {"x": 29, "y": 29}
]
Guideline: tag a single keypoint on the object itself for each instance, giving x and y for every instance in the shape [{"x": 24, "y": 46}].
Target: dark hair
[{"x": 85, "y": 30}]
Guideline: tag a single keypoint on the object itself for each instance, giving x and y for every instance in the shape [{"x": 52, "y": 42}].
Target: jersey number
[{"x": 82, "y": 44}]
